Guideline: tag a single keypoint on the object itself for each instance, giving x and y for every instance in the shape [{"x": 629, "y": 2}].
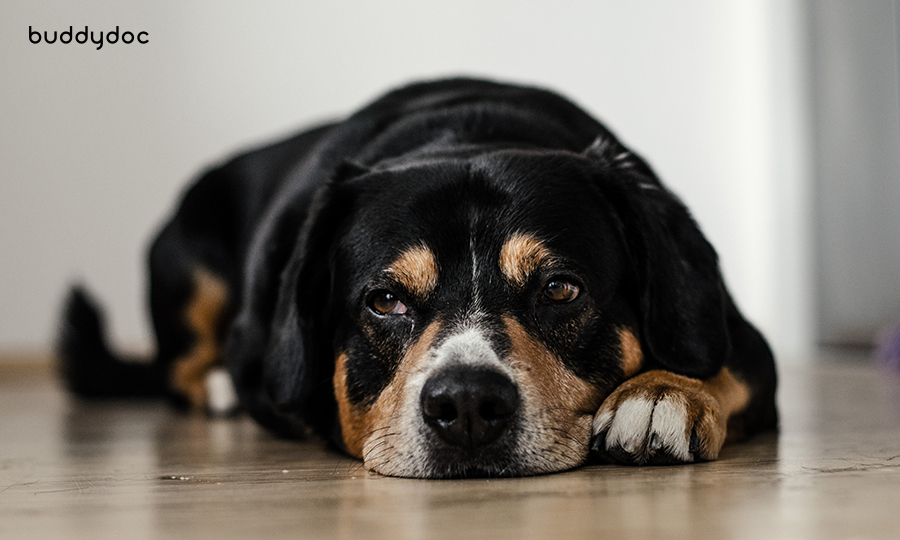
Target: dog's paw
[
  {"x": 221, "y": 397},
  {"x": 659, "y": 417}
]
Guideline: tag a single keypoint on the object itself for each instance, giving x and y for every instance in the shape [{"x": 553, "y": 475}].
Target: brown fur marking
[
  {"x": 632, "y": 355},
  {"x": 559, "y": 390},
  {"x": 202, "y": 314},
  {"x": 352, "y": 426},
  {"x": 520, "y": 256},
  {"x": 561, "y": 404},
  {"x": 359, "y": 424},
  {"x": 417, "y": 270},
  {"x": 732, "y": 394}
]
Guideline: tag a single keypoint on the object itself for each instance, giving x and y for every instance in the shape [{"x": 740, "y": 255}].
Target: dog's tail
[{"x": 89, "y": 367}]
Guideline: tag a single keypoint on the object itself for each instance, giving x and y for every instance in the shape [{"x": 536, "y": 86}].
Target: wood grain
[{"x": 97, "y": 470}]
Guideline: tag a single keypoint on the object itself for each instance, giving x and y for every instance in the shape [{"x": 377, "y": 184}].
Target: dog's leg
[
  {"x": 190, "y": 373},
  {"x": 661, "y": 417},
  {"x": 191, "y": 305}
]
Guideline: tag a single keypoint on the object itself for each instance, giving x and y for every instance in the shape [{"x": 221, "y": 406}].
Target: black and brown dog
[{"x": 464, "y": 278}]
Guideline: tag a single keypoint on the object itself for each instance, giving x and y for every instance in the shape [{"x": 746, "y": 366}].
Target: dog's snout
[{"x": 469, "y": 406}]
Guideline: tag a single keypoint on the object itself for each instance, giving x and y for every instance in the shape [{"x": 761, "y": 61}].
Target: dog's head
[{"x": 467, "y": 314}]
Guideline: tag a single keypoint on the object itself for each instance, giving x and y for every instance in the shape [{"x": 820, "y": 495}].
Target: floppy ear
[
  {"x": 298, "y": 361},
  {"x": 681, "y": 294},
  {"x": 277, "y": 346}
]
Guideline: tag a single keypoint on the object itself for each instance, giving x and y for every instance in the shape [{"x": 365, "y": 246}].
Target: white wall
[
  {"x": 856, "y": 77},
  {"x": 95, "y": 145}
]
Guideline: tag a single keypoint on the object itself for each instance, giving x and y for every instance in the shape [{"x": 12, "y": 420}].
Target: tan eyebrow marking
[
  {"x": 416, "y": 269},
  {"x": 521, "y": 255}
]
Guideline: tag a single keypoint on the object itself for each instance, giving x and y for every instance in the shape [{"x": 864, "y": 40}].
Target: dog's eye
[
  {"x": 386, "y": 303},
  {"x": 560, "y": 291}
]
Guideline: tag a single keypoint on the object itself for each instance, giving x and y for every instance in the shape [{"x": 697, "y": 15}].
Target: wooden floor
[{"x": 71, "y": 469}]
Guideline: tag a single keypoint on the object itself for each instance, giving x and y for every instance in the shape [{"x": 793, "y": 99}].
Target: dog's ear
[
  {"x": 275, "y": 343},
  {"x": 682, "y": 298},
  {"x": 299, "y": 347},
  {"x": 296, "y": 361}
]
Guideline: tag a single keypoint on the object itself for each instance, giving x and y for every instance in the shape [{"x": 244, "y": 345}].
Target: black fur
[
  {"x": 298, "y": 230},
  {"x": 88, "y": 365}
]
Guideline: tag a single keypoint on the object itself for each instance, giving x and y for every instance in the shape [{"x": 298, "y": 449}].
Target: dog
[{"x": 464, "y": 278}]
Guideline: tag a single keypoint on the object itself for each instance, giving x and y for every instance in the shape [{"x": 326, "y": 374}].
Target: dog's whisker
[
  {"x": 384, "y": 436},
  {"x": 566, "y": 435},
  {"x": 556, "y": 443},
  {"x": 369, "y": 434},
  {"x": 372, "y": 449}
]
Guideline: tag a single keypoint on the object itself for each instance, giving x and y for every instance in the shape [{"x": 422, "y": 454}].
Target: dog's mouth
[
  {"x": 444, "y": 468},
  {"x": 473, "y": 421},
  {"x": 519, "y": 451}
]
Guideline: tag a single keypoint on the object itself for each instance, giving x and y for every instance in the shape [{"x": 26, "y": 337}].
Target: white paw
[
  {"x": 658, "y": 417},
  {"x": 221, "y": 398}
]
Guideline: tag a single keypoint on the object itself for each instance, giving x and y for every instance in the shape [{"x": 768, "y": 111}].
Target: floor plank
[{"x": 74, "y": 469}]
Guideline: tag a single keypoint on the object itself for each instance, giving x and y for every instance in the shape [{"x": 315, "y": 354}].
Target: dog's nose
[{"x": 469, "y": 406}]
